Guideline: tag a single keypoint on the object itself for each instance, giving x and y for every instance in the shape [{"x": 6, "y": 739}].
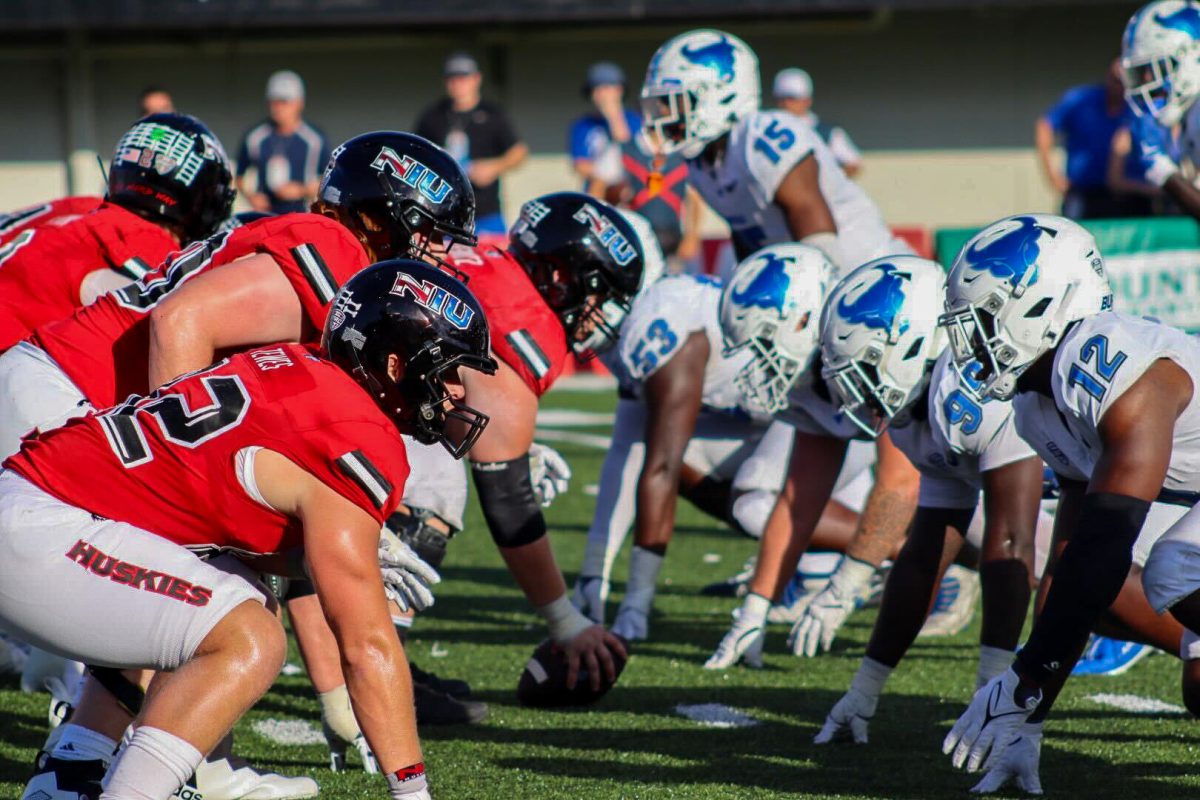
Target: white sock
[
  {"x": 78, "y": 743},
  {"x": 644, "y": 566},
  {"x": 992, "y": 662},
  {"x": 152, "y": 767}
]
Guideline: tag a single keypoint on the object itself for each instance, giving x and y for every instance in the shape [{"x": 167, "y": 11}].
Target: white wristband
[
  {"x": 871, "y": 677},
  {"x": 564, "y": 620},
  {"x": 1161, "y": 169},
  {"x": 852, "y": 577}
]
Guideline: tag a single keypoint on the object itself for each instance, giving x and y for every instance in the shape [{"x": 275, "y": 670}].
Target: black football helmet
[
  {"x": 172, "y": 167},
  {"x": 387, "y": 187},
  {"x": 586, "y": 261},
  {"x": 433, "y": 324}
]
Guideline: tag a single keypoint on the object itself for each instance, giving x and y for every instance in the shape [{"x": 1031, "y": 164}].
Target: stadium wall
[{"x": 943, "y": 102}]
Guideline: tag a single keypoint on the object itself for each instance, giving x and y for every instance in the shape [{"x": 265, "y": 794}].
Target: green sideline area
[{"x": 635, "y": 745}]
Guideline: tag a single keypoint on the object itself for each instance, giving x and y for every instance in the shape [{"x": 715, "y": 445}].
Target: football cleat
[
  {"x": 451, "y": 686},
  {"x": 232, "y": 778},
  {"x": 66, "y": 780},
  {"x": 735, "y": 585},
  {"x": 1105, "y": 656},
  {"x": 440, "y": 708},
  {"x": 954, "y": 606},
  {"x": 631, "y": 624}
]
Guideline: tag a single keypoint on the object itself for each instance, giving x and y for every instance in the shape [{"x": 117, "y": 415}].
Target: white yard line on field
[
  {"x": 1136, "y": 703},
  {"x": 572, "y": 437},
  {"x": 716, "y": 715}
]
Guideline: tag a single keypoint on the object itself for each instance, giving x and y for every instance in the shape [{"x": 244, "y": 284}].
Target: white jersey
[
  {"x": 811, "y": 409},
  {"x": 959, "y": 440},
  {"x": 1097, "y": 361},
  {"x": 763, "y": 148},
  {"x": 658, "y": 325}
]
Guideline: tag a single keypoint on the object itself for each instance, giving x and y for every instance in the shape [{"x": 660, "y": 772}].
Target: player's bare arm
[
  {"x": 512, "y": 407},
  {"x": 341, "y": 543},
  {"x": 884, "y": 521},
  {"x": 799, "y": 195},
  {"x": 673, "y": 395},
  {"x": 238, "y": 305}
]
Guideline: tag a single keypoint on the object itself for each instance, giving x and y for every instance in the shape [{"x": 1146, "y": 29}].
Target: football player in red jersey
[
  {"x": 53, "y": 213},
  {"x": 573, "y": 265},
  {"x": 272, "y": 280},
  {"x": 278, "y": 448},
  {"x": 168, "y": 185}
]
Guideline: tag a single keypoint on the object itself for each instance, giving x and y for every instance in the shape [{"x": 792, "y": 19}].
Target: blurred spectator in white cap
[
  {"x": 286, "y": 153},
  {"x": 478, "y": 133},
  {"x": 793, "y": 92},
  {"x": 155, "y": 100},
  {"x": 597, "y": 137}
]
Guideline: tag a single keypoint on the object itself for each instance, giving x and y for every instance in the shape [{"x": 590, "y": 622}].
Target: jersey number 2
[
  {"x": 1095, "y": 385},
  {"x": 179, "y": 424}
]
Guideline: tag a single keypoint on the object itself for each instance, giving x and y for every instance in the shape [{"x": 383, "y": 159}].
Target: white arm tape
[{"x": 564, "y": 620}]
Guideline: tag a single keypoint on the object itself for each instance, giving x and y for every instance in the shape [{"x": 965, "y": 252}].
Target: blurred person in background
[
  {"x": 155, "y": 100},
  {"x": 793, "y": 91},
  {"x": 478, "y": 134},
  {"x": 1084, "y": 121},
  {"x": 287, "y": 154},
  {"x": 1135, "y": 196},
  {"x": 596, "y": 138}
]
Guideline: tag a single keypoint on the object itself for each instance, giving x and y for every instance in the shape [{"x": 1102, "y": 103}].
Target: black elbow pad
[{"x": 509, "y": 506}]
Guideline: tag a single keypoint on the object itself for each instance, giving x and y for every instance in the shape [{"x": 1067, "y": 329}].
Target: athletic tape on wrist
[{"x": 564, "y": 620}]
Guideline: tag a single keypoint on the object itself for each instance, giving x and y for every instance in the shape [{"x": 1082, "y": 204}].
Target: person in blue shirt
[
  {"x": 598, "y": 136},
  {"x": 1127, "y": 166},
  {"x": 1084, "y": 120},
  {"x": 286, "y": 153}
]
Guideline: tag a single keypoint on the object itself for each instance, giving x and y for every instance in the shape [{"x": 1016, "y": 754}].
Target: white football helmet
[
  {"x": 698, "y": 85},
  {"x": 1160, "y": 59},
  {"x": 654, "y": 265},
  {"x": 1014, "y": 289},
  {"x": 880, "y": 338},
  {"x": 771, "y": 305}
]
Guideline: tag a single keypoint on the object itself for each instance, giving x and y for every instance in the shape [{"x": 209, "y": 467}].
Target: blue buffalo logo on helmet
[
  {"x": 620, "y": 248},
  {"x": 879, "y": 304},
  {"x": 412, "y": 173},
  {"x": 433, "y": 297},
  {"x": 1010, "y": 255},
  {"x": 768, "y": 288},
  {"x": 1186, "y": 19},
  {"x": 717, "y": 56}
]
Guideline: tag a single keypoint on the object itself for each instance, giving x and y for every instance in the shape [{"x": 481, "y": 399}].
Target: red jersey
[
  {"x": 42, "y": 269},
  {"x": 56, "y": 212},
  {"x": 526, "y": 334},
  {"x": 168, "y": 463},
  {"x": 105, "y": 348}
]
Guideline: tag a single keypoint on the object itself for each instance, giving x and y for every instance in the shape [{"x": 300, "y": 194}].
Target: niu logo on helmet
[
  {"x": 609, "y": 235},
  {"x": 436, "y": 299},
  {"x": 412, "y": 173}
]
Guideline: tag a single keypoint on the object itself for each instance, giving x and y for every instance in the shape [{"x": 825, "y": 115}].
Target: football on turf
[{"x": 543, "y": 682}]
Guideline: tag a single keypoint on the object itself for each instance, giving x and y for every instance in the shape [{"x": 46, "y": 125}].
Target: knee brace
[
  {"x": 509, "y": 505},
  {"x": 751, "y": 510},
  {"x": 415, "y": 531}
]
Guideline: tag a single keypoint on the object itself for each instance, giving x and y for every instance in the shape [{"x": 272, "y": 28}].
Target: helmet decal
[
  {"x": 343, "y": 307},
  {"x": 610, "y": 236},
  {"x": 1186, "y": 19},
  {"x": 769, "y": 287},
  {"x": 166, "y": 150},
  {"x": 878, "y": 306},
  {"x": 717, "y": 56},
  {"x": 435, "y": 298},
  {"x": 1010, "y": 255},
  {"x": 412, "y": 173}
]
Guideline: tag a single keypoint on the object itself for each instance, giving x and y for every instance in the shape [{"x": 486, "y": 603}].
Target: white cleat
[
  {"x": 13, "y": 655},
  {"x": 231, "y": 778},
  {"x": 631, "y": 624},
  {"x": 954, "y": 606},
  {"x": 589, "y": 597}
]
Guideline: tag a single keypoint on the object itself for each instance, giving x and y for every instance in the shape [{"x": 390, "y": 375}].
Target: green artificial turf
[{"x": 634, "y": 745}]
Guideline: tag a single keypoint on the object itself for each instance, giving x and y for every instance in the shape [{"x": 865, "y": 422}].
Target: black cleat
[
  {"x": 439, "y": 708},
  {"x": 66, "y": 780},
  {"x": 451, "y": 686}
]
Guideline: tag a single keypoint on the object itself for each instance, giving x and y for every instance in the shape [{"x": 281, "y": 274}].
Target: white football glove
[
  {"x": 744, "y": 642},
  {"x": 848, "y": 719},
  {"x": 406, "y": 578},
  {"x": 1018, "y": 765},
  {"x": 830, "y": 609},
  {"x": 337, "y": 754},
  {"x": 549, "y": 472},
  {"x": 991, "y": 722}
]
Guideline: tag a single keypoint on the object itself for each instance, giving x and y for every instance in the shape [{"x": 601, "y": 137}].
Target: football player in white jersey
[
  {"x": 684, "y": 427},
  {"x": 1107, "y": 400},
  {"x": 766, "y": 172},
  {"x": 885, "y": 357},
  {"x": 1160, "y": 60},
  {"x": 772, "y": 309}
]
